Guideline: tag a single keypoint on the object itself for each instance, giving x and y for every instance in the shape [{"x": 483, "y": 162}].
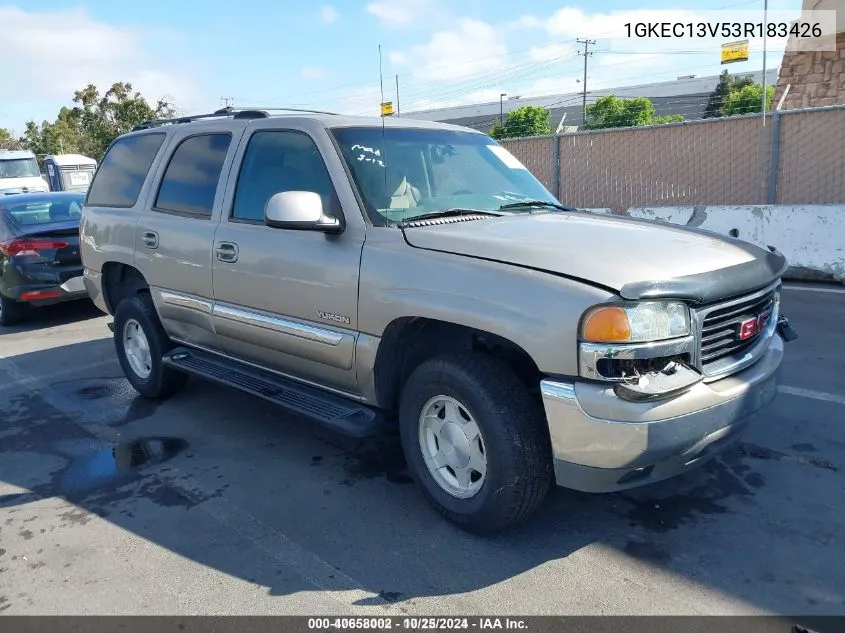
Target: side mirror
[{"x": 301, "y": 211}]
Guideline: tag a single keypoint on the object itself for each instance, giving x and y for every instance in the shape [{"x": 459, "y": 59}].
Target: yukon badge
[{"x": 338, "y": 318}]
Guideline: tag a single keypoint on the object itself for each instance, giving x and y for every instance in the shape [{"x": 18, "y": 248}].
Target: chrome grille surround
[{"x": 718, "y": 352}]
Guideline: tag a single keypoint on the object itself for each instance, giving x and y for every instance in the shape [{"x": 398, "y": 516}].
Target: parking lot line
[{"x": 809, "y": 393}]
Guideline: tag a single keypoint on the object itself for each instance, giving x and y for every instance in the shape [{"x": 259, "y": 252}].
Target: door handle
[
  {"x": 150, "y": 239},
  {"x": 227, "y": 251}
]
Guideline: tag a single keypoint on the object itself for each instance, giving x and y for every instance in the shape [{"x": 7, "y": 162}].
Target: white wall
[{"x": 812, "y": 237}]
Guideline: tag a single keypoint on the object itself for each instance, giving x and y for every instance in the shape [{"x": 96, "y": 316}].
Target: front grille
[{"x": 721, "y": 327}]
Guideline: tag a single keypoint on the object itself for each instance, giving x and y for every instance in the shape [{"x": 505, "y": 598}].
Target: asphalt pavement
[{"x": 217, "y": 502}]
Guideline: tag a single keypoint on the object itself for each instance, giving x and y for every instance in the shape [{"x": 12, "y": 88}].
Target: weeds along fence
[{"x": 786, "y": 157}]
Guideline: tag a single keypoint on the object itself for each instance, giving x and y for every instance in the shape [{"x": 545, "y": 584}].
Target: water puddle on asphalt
[
  {"x": 111, "y": 401},
  {"x": 113, "y": 463}
]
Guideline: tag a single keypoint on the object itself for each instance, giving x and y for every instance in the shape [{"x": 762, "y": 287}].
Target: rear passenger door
[
  {"x": 288, "y": 299},
  {"x": 116, "y": 197},
  {"x": 176, "y": 228}
]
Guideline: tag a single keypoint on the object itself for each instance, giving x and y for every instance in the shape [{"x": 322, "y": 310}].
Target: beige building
[{"x": 815, "y": 78}]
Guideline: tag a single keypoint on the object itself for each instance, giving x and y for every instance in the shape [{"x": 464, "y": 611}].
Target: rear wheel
[
  {"x": 140, "y": 342},
  {"x": 11, "y": 312},
  {"x": 476, "y": 441}
]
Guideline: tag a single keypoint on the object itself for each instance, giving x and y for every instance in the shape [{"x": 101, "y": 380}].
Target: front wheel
[
  {"x": 476, "y": 441},
  {"x": 140, "y": 342}
]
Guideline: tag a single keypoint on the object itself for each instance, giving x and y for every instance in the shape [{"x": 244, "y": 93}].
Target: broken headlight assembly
[{"x": 645, "y": 348}]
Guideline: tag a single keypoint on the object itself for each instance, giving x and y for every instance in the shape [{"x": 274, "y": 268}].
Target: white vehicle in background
[
  {"x": 69, "y": 172},
  {"x": 19, "y": 173}
]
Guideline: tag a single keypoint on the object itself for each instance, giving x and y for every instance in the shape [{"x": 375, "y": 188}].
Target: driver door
[{"x": 286, "y": 299}]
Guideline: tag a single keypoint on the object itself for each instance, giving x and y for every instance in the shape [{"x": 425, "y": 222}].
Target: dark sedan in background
[{"x": 39, "y": 252}]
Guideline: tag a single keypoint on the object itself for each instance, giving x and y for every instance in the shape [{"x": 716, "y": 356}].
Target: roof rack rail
[
  {"x": 236, "y": 113},
  {"x": 181, "y": 119},
  {"x": 265, "y": 109}
]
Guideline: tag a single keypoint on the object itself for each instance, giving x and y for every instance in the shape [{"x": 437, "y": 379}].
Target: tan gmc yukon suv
[{"x": 368, "y": 272}]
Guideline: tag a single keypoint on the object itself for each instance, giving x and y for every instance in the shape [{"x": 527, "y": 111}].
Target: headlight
[{"x": 636, "y": 323}]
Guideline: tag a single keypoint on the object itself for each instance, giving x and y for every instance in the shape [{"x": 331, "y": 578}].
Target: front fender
[{"x": 537, "y": 311}]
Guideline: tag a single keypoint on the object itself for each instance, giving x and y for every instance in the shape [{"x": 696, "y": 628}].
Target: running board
[{"x": 337, "y": 413}]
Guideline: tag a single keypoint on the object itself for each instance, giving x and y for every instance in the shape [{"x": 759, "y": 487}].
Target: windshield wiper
[
  {"x": 536, "y": 203},
  {"x": 446, "y": 213}
]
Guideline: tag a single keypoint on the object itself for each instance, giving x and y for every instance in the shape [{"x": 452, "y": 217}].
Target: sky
[{"x": 293, "y": 53}]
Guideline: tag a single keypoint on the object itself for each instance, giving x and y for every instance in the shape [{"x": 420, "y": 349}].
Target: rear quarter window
[{"x": 124, "y": 169}]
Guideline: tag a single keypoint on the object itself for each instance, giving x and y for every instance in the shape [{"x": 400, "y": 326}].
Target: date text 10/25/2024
[{"x": 416, "y": 624}]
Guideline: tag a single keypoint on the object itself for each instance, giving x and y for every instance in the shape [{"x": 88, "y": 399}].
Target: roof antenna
[{"x": 381, "y": 107}]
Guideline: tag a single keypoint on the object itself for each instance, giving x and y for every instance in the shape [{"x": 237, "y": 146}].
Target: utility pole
[
  {"x": 397, "y": 95},
  {"x": 586, "y": 54}
]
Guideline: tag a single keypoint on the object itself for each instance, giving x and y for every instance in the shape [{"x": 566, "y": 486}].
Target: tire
[
  {"x": 137, "y": 315},
  {"x": 513, "y": 432},
  {"x": 11, "y": 312}
]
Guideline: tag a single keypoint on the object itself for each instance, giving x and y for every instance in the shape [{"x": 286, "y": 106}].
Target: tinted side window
[
  {"x": 277, "y": 161},
  {"x": 123, "y": 170},
  {"x": 190, "y": 181}
]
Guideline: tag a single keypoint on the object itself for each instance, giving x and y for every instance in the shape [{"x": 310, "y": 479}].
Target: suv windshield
[
  {"x": 404, "y": 172},
  {"x": 19, "y": 168}
]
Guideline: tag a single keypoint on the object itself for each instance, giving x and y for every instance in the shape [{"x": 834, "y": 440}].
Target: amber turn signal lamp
[{"x": 607, "y": 325}]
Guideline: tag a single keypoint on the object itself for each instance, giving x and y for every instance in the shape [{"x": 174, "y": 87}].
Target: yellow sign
[
  {"x": 387, "y": 108},
  {"x": 735, "y": 52}
]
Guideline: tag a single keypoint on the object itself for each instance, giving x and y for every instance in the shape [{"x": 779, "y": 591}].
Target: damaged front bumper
[{"x": 604, "y": 443}]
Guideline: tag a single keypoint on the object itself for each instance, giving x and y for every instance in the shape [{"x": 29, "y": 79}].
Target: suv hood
[{"x": 638, "y": 259}]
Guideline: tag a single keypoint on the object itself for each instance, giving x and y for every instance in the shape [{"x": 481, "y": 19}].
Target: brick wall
[{"x": 816, "y": 78}]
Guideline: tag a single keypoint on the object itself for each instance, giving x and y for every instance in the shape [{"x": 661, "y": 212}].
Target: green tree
[
  {"x": 102, "y": 118},
  {"x": 748, "y": 99},
  {"x": 613, "y": 112},
  {"x": 727, "y": 85},
  {"x": 94, "y": 122},
  {"x": 63, "y": 136},
  {"x": 8, "y": 140},
  {"x": 524, "y": 121}
]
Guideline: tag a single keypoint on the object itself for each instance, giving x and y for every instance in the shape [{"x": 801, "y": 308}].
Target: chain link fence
[{"x": 786, "y": 157}]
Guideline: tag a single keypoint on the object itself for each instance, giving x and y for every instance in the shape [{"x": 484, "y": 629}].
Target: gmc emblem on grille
[{"x": 752, "y": 327}]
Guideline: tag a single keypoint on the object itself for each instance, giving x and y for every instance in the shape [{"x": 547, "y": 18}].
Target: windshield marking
[
  {"x": 371, "y": 150},
  {"x": 377, "y": 152}
]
